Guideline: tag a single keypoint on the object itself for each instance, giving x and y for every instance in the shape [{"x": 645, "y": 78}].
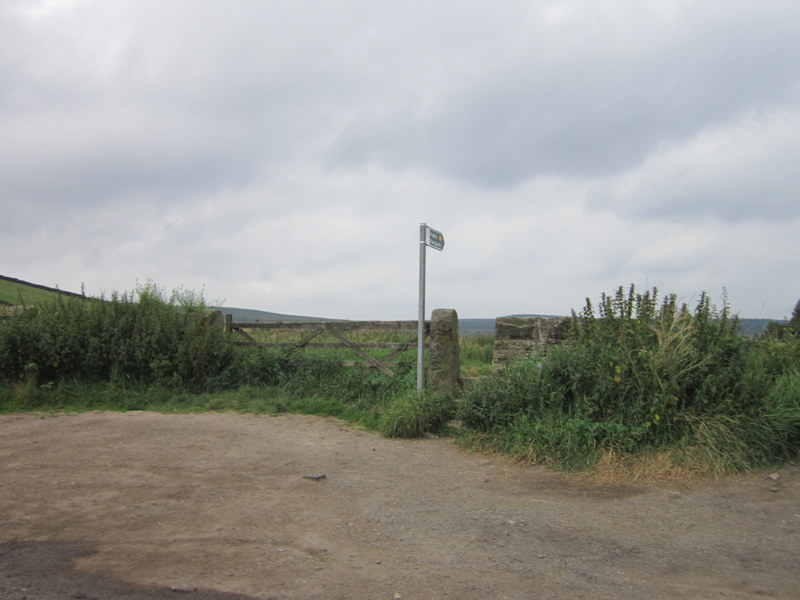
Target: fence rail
[{"x": 241, "y": 332}]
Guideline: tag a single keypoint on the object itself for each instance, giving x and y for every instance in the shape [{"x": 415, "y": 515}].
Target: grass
[
  {"x": 146, "y": 350},
  {"x": 150, "y": 351},
  {"x": 653, "y": 467},
  {"x": 83, "y": 397},
  {"x": 475, "y": 350},
  {"x": 17, "y": 293},
  {"x": 476, "y": 355},
  {"x": 414, "y": 413}
]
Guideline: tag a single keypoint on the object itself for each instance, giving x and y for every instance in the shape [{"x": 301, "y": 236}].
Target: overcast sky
[{"x": 280, "y": 155}]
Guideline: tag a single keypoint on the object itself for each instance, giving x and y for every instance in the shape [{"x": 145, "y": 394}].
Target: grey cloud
[
  {"x": 747, "y": 170},
  {"x": 770, "y": 195},
  {"x": 127, "y": 100},
  {"x": 591, "y": 113},
  {"x": 97, "y": 160}
]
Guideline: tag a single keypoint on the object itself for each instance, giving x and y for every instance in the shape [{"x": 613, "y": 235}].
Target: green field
[
  {"x": 20, "y": 293},
  {"x": 475, "y": 350}
]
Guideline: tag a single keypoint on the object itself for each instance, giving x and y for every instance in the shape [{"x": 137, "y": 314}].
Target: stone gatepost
[{"x": 444, "y": 368}]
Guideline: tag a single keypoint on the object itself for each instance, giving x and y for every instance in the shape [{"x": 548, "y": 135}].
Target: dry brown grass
[{"x": 652, "y": 468}]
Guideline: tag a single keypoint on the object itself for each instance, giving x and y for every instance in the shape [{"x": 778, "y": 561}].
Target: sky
[{"x": 281, "y": 155}]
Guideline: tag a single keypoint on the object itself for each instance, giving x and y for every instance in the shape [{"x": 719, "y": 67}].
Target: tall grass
[
  {"x": 475, "y": 352},
  {"x": 638, "y": 375},
  {"x": 414, "y": 413}
]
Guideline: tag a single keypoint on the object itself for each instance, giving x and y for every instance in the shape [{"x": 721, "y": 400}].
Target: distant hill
[
  {"x": 248, "y": 315},
  {"x": 476, "y": 326}
]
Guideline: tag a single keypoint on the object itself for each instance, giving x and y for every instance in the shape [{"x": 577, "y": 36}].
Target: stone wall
[{"x": 517, "y": 338}]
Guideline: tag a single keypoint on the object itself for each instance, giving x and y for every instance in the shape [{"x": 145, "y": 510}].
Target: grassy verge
[
  {"x": 395, "y": 411},
  {"x": 82, "y": 397}
]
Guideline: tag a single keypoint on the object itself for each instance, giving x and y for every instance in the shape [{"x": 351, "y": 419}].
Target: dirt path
[{"x": 217, "y": 506}]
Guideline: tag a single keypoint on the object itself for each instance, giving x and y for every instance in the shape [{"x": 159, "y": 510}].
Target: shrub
[
  {"x": 643, "y": 375},
  {"x": 138, "y": 338},
  {"x": 415, "y": 413}
]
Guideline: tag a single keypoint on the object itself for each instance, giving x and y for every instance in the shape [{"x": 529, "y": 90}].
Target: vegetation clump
[
  {"x": 414, "y": 413},
  {"x": 639, "y": 376},
  {"x": 140, "y": 338}
]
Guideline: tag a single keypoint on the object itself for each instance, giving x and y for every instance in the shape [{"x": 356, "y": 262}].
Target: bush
[
  {"x": 415, "y": 413},
  {"x": 644, "y": 375},
  {"x": 141, "y": 338},
  {"x": 498, "y": 399}
]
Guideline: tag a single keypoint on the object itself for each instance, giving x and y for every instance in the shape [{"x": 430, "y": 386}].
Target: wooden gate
[{"x": 307, "y": 335}]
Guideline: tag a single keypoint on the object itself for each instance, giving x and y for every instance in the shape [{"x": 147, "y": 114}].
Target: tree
[{"x": 794, "y": 323}]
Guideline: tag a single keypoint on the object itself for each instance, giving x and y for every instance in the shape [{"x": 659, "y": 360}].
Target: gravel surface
[{"x": 218, "y": 506}]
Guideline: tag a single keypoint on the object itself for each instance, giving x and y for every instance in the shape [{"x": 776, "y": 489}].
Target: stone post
[{"x": 444, "y": 369}]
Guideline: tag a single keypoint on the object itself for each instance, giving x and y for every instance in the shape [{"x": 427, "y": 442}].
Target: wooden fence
[{"x": 342, "y": 331}]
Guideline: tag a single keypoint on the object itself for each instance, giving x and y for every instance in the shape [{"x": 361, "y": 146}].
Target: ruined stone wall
[{"x": 518, "y": 338}]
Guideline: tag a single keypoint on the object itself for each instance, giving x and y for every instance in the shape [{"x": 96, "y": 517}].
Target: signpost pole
[
  {"x": 434, "y": 239},
  {"x": 421, "y": 324}
]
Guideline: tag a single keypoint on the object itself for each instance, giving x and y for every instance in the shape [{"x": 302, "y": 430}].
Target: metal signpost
[{"x": 434, "y": 239}]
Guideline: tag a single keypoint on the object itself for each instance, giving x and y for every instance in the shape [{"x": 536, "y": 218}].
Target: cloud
[
  {"x": 104, "y": 101},
  {"x": 743, "y": 170},
  {"x": 616, "y": 86}
]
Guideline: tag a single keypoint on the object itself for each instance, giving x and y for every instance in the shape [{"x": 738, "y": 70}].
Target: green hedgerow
[{"x": 640, "y": 374}]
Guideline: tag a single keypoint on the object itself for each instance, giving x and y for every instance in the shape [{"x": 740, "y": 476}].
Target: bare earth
[{"x": 219, "y": 506}]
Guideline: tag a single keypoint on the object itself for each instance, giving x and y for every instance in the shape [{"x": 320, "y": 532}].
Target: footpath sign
[{"x": 434, "y": 239}]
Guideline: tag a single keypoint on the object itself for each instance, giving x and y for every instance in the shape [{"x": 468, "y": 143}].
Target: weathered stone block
[
  {"x": 444, "y": 370},
  {"x": 518, "y": 338}
]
